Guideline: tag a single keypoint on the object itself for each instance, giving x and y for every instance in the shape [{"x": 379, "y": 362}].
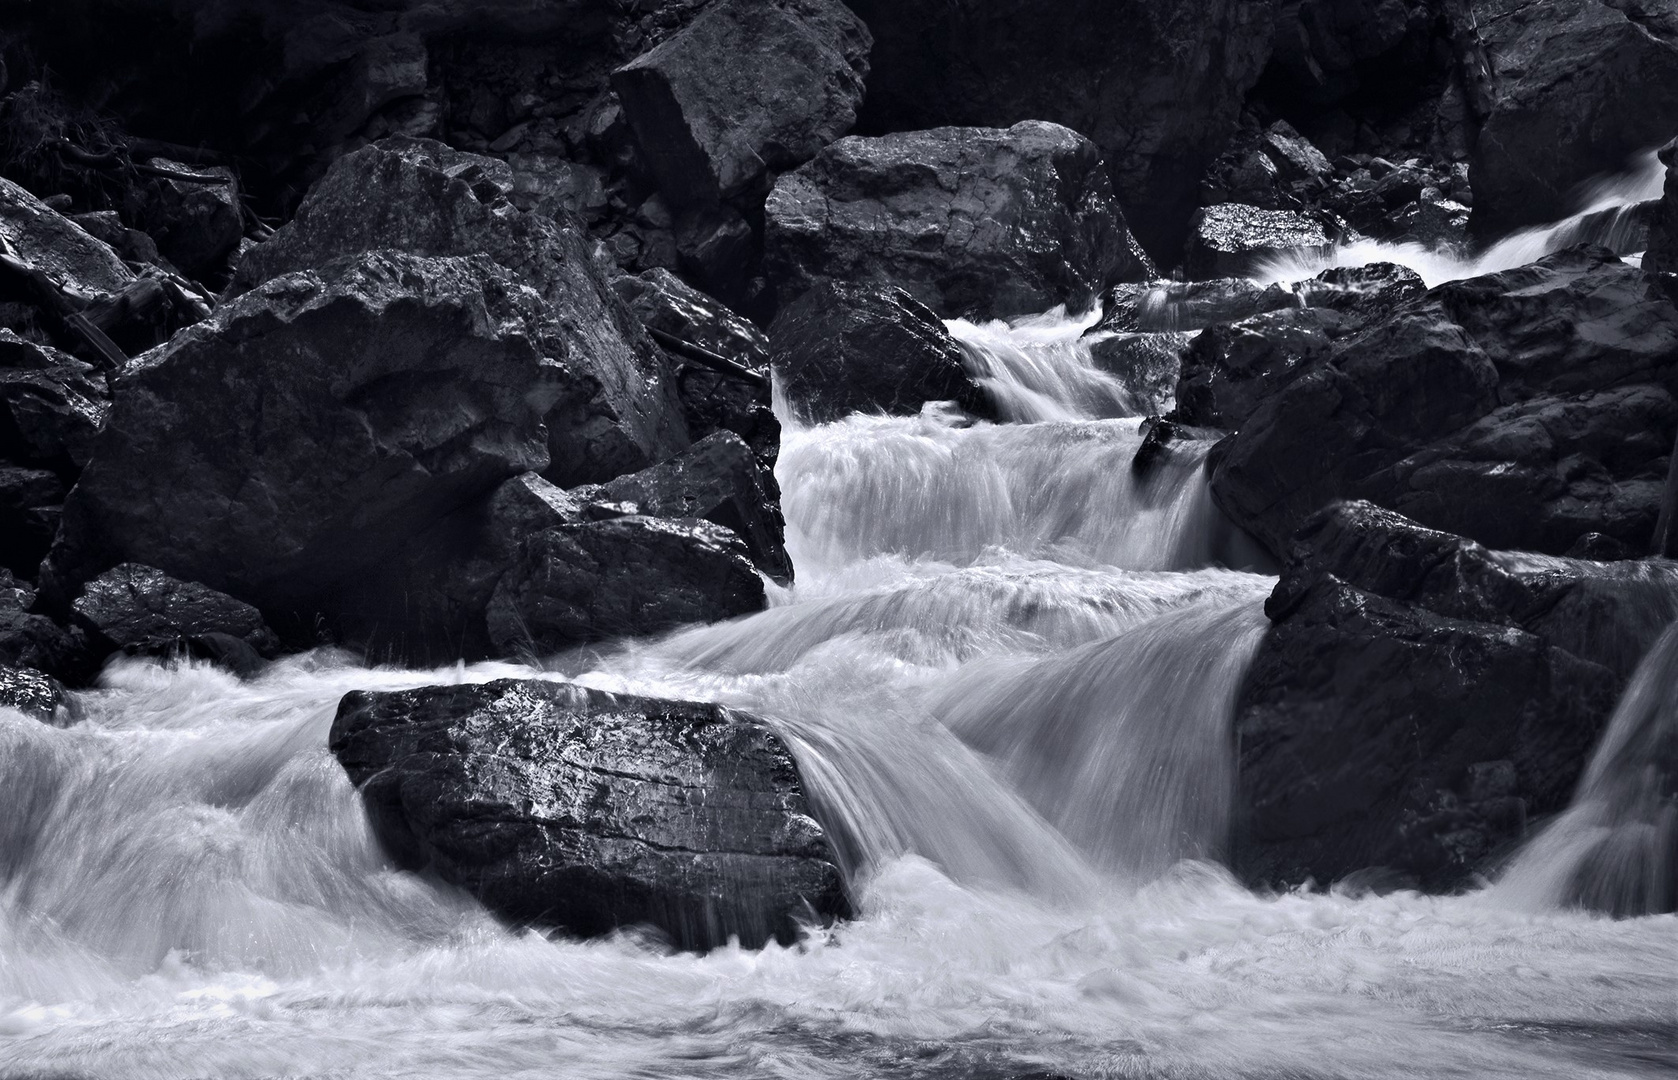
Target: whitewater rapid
[{"x": 1007, "y": 670}]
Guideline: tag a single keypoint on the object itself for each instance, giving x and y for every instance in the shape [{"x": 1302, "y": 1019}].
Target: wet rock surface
[
  {"x": 1662, "y": 254},
  {"x": 1420, "y": 699},
  {"x": 35, "y": 695},
  {"x": 1235, "y": 240},
  {"x": 629, "y": 575},
  {"x": 139, "y": 610},
  {"x": 291, "y": 440},
  {"x": 841, "y": 349},
  {"x": 972, "y": 222},
  {"x": 575, "y": 809},
  {"x": 1522, "y": 409}
]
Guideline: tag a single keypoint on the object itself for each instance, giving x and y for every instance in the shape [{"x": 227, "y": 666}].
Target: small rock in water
[
  {"x": 1231, "y": 240},
  {"x": 36, "y": 695},
  {"x": 565, "y": 807},
  {"x": 139, "y": 610}
]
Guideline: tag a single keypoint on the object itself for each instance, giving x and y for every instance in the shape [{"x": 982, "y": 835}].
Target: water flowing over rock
[
  {"x": 790, "y": 85},
  {"x": 1420, "y": 698},
  {"x": 139, "y": 610},
  {"x": 1158, "y": 86},
  {"x": 617, "y": 410},
  {"x": 628, "y": 575},
  {"x": 973, "y": 222},
  {"x": 1231, "y": 240},
  {"x": 840, "y": 349},
  {"x": 1521, "y": 409},
  {"x": 718, "y": 479},
  {"x": 278, "y": 448},
  {"x": 1564, "y": 91},
  {"x": 572, "y": 808}
]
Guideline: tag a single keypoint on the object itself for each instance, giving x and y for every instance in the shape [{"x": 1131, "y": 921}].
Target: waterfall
[{"x": 1007, "y": 671}]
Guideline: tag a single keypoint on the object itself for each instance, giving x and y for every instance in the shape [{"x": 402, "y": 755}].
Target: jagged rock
[
  {"x": 617, "y": 410},
  {"x": 550, "y": 185},
  {"x": 1188, "y": 305},
  {"x": 1229, "y": 369},
  {"x": 49, "y": 416},
  {"x": 625, "y": 576},
  {"x": 36, "y": 695},
  {"x": 1563, "y": 90},
  {"x": 1368, "y": 291},
  {"x": 30, "y": 500},
  {"x": 1148, "y": 365},
  {"x": 1420, "y": 698},
  {"x": 1521, "y": 409},
  {"x": 711, "y": 400},
  {"x": 1662, "y": 253},
  {"x": 283, "y": 446},
  {"x": 142, "y": 611},
  {"x": 57, "y": 247},
  {"x": 1274, "y": 168},
  {"x": 977, "y": 222},
  {"x": 749, "y": 87},
  {"x": 32, "y": 640},
  {"x": 196, "y": 225},
  {"x": 566, "y": 807},
  {"x": 1157, "y": 86},
  {"x": 719, "y": 480},
  {"x": 1233, "y": 240},
  {"x": 841, "y": 349}
]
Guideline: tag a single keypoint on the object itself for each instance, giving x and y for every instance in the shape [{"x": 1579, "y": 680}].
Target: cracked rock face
[{"x": 560, "y": 806}]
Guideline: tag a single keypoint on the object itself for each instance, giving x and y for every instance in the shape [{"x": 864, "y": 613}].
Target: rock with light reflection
[{"x": 571, "y": 808}]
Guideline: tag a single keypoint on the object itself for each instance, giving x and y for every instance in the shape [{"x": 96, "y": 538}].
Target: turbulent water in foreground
[{"x": 1007, "y": 670}]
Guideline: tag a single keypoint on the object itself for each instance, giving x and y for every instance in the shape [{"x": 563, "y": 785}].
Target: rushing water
[{"x": 1007, "y": 671}]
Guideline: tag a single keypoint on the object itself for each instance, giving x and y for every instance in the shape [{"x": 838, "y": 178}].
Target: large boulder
[
  {"x": 1420, "y": 699},
  {"x": 974, "y": 222},
  {"x": 1229, "y": 369},
  {"x": 50, "y": 412},
  {"x": 617, "y": 409},
  {"x": 721, "y": 481},
  {"x": 560, "y": 806},
  {"x": 141, "y": 611},
  {"x": 1158, "y": 84},
  {"x": 1564, "y": 91},
  {"x": 197, "y": 223},
  {"x": 1522, "y": 409},
  {"x": 1662, "y": 254},
  {"x": 289, "y": 442},
  {"x": 623, "y": 576},
  {"x": 840, "y": 349},
  {"x": 748, "y": 88}
]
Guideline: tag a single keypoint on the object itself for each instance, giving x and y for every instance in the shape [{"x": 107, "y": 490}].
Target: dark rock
[
  {"x": 196, "y": 225},
  {"x": 1521, "y": 409},
  {"x": 721, "y": 481},
  {"x": 1600, "y": 548},
  {"x": 57, "y": 247},
  {"x": 1189, "y": 305},
  {"x": 285, "y": 445},
  {"x": 1420, "y": 697},
  {"x": 32, "y": 640},
  {"x": 29, "y": 507},
  {"x": 1275, "y": 168},
  {"x": 1368, "y": 291},
  {"x": 36, "y": 695},
  {"x": 712, "y": 401},
  {"x": 626, "y": 576},
  {"x": 1158, "y": 434},
  {"x": 1229, "y": 369},
  {"x": 1147, "y": 364},
  {"x": 617, "y": 410},
  {"x": 1158, "y": 87},
  {"x": 711, "y": 129},
  {"x": 566, "y": 807},
  {"x": 975, "y": 222},
  {"x": 1566, "y": 90},
  {"x": 1662, "y": 253},
  {"x": 1233, "y": 240},
  {"x": 142, "y": 611},
  {"x": 49, "y": 416},
  {"x": 841, "y": 349}
]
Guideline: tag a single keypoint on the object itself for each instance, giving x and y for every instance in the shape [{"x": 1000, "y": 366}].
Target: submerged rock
[
  {"x": 1233, "y": 240},
  {"x": 1522, "y": 409},
  {"x": 285, "y": 445},
  {"x": 565, "y": 807},
  {"x": 973, "y": 222},
  {"x": 745, "y": 89},
  {"x": 1420, "y": 699},
  {"x": 139, "y": 610},
  {"x": 630, "y": 575},
  {"x": 841, "y": 349},
  {"x": 616, "y": 409}
]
